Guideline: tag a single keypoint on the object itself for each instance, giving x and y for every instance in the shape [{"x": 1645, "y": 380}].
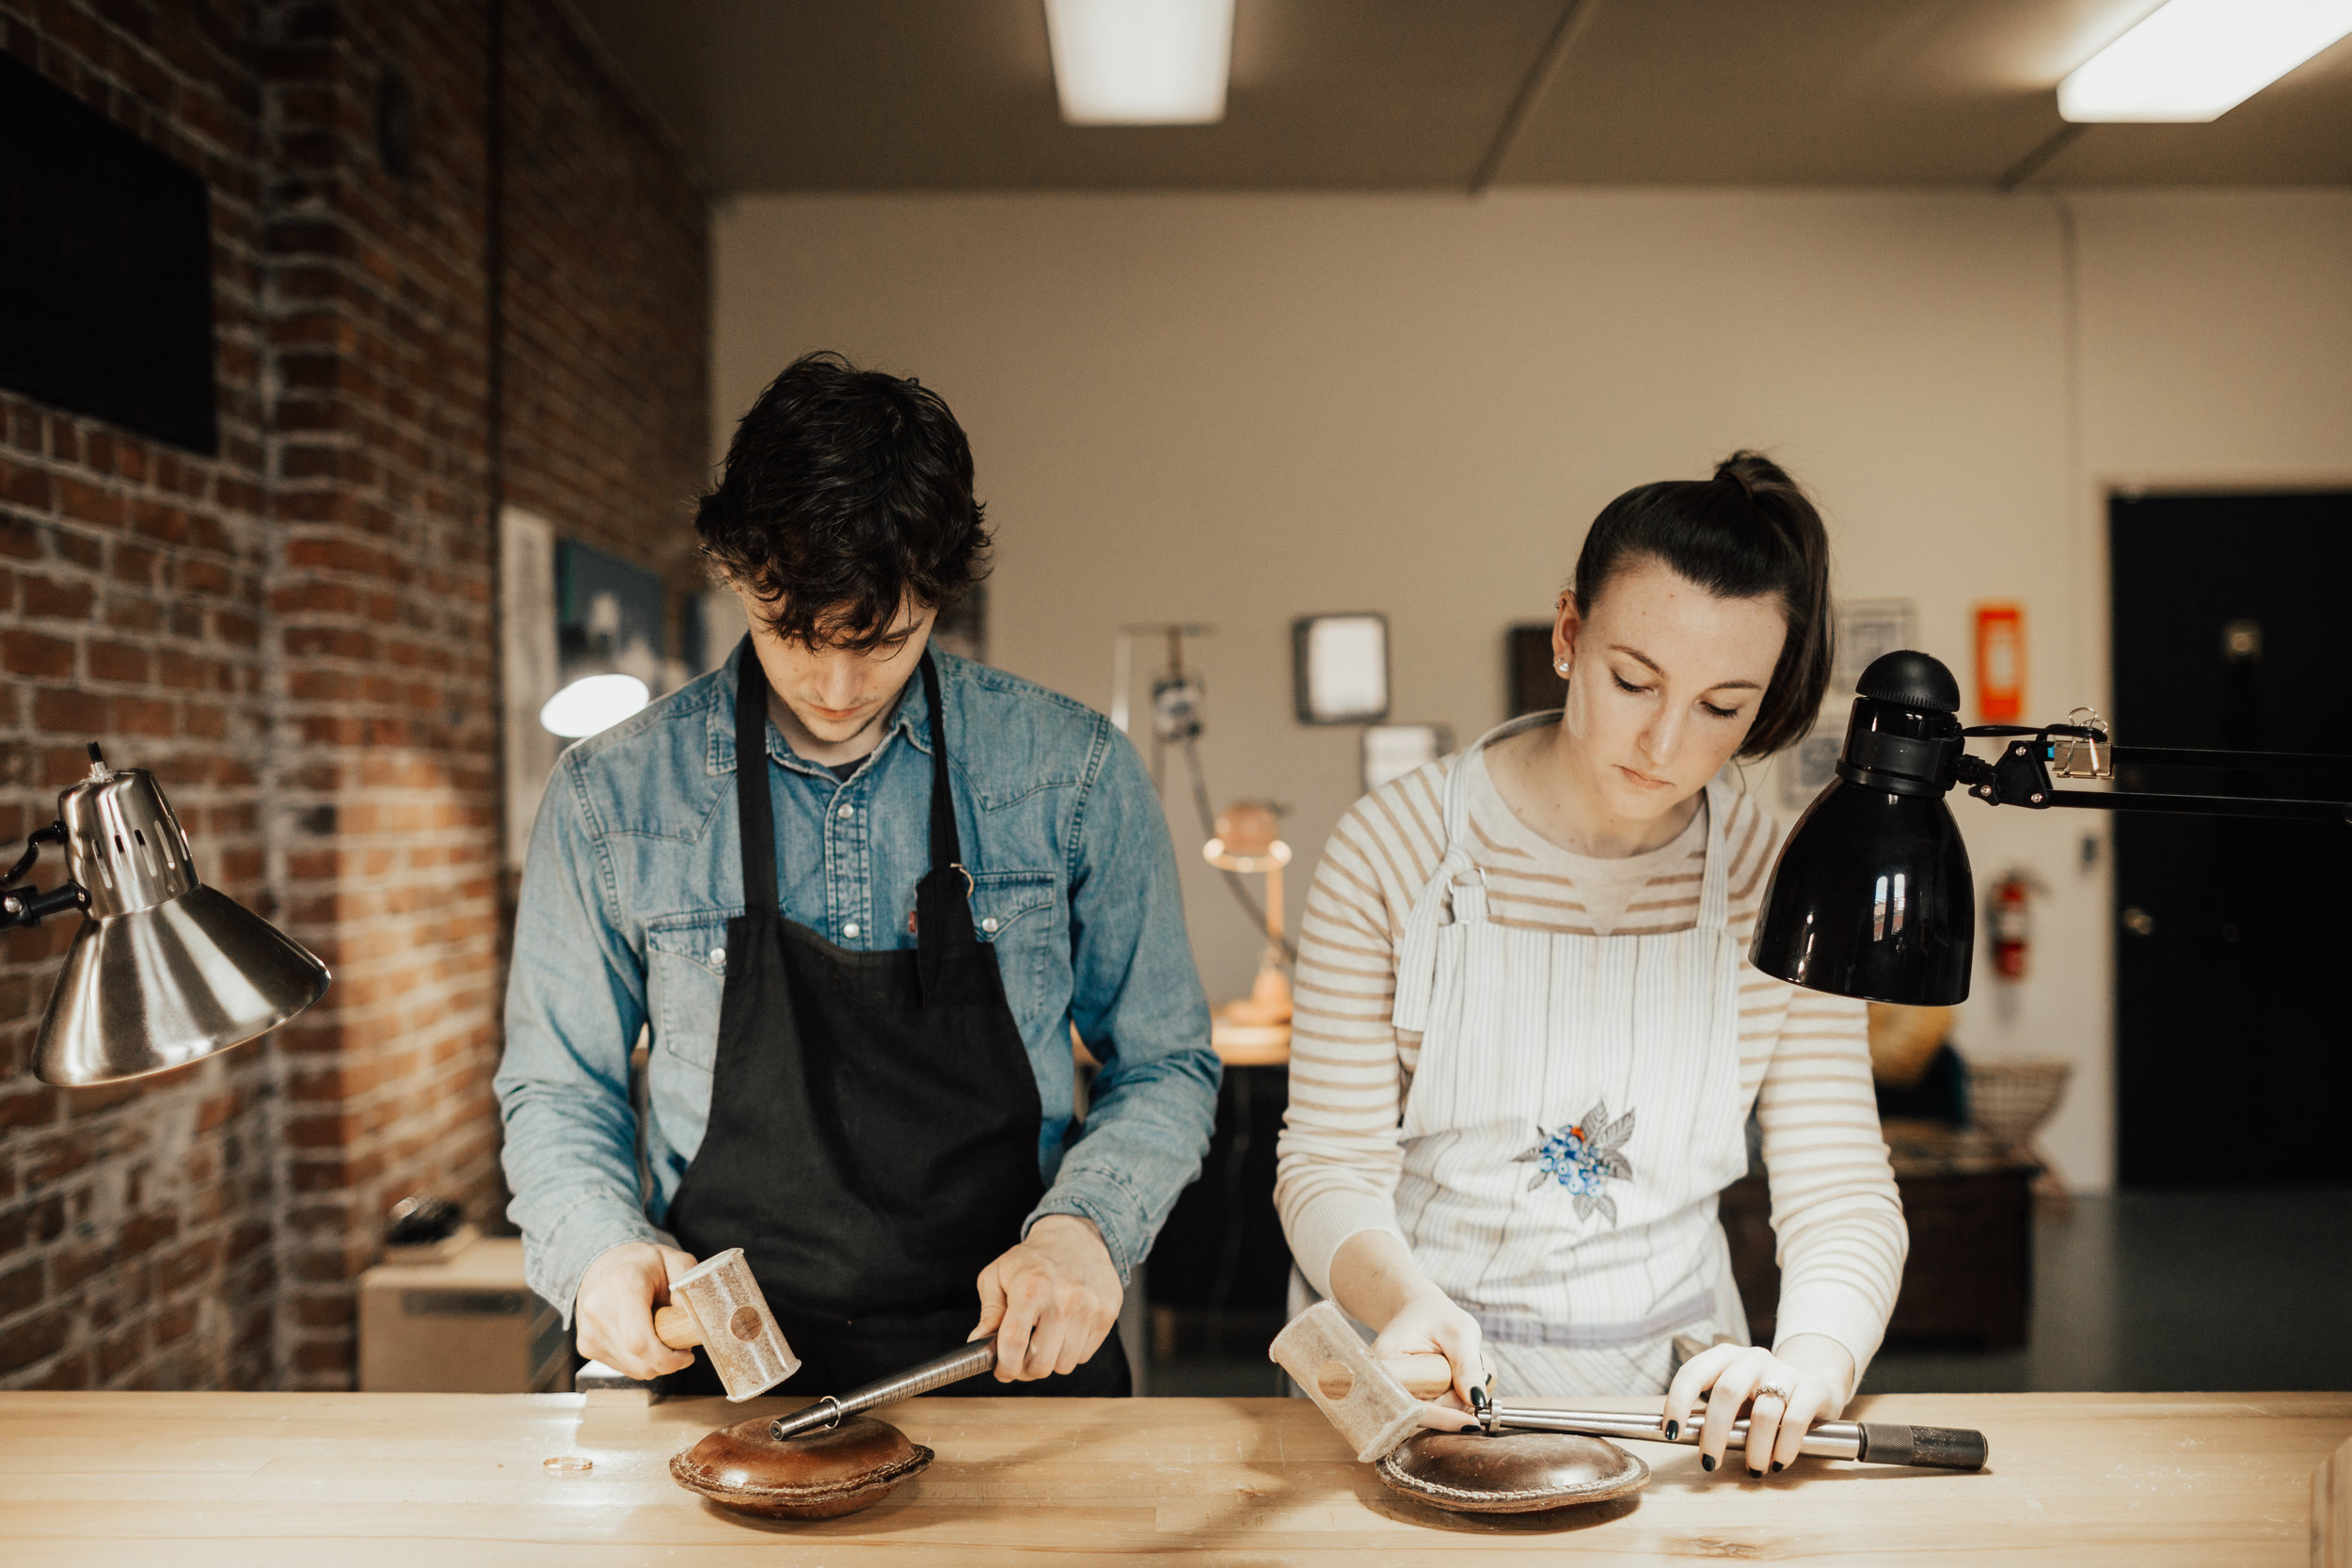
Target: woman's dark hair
[
  {"x": 1747, "y": 533},
  {"x": 844, "y": 492}
]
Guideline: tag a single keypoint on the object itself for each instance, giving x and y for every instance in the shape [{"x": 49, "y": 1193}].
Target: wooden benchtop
[{"x": 451, "y": 1480}]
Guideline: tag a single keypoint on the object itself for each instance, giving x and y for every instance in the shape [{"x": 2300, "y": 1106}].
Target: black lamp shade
[{"x": 1872, "y": 896}]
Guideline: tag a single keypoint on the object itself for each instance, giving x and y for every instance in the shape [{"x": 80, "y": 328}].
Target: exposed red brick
[
  {"x": 296, "y": 634},
  {"x": 33, "y": 653}
]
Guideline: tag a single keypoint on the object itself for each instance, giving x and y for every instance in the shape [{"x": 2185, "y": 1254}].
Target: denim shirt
[{"x": 635, "y": 869}]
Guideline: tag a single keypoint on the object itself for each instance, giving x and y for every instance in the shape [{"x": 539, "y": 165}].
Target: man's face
[{"x": 839, "y": 694}]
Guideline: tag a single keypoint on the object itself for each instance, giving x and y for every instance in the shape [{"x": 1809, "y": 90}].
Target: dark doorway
[{"x": 2231, "y": 632}]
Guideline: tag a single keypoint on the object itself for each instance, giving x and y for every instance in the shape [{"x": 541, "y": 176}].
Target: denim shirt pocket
[
  {"x": 686, "y": 969},
  {"x": 1022, "y": 914}
]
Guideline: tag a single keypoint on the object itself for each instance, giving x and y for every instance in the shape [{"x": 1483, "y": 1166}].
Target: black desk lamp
[{"x": 1872, "y": 897}]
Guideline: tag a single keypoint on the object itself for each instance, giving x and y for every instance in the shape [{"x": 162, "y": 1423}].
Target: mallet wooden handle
[
  {"x": 1424, "y": 1375},
  {"x": 676, "y": 1327}
]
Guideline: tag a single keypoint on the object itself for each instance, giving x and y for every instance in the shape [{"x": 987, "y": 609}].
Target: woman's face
[{"x": 1664, "y": 683}]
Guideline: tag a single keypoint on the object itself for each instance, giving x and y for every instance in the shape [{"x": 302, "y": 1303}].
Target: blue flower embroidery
[{"x": 1583, "y": 1159}]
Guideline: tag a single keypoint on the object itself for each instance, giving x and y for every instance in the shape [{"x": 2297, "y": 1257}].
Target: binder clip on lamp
[
  {"x": 1872, "y": 897},
  {"x": 165, "y": 971}
]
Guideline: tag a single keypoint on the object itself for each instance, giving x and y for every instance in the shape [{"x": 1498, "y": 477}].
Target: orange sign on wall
[{"x": 2000, "y": 663}]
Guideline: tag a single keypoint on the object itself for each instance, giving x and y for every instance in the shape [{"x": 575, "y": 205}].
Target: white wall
[{"x": 1239, "y": 409}]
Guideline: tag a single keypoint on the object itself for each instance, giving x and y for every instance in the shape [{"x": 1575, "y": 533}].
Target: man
[{"x": 859, "y": 956}]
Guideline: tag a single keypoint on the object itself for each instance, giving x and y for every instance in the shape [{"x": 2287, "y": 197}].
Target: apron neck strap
[
  {"x": 1715, "y": 889},
  {"x": 946, "y": 847},
  {"x": 943, "y": 900},
  {"x": 752, "y": 800},
  {"x": 754, "y": 814}
]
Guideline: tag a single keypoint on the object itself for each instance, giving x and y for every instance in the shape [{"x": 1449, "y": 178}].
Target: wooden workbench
[{"x": 452, "y": 1479}]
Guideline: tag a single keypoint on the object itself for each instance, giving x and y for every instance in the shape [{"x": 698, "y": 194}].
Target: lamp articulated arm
[
  {"x": 30, "y": 906},
  {"x": 2021, "y": 775}
]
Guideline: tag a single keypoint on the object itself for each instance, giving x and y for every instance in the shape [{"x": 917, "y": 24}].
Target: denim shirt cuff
[
  {"x": 1117, "y": 1210},
  {"x": 584, "y": 1233}
]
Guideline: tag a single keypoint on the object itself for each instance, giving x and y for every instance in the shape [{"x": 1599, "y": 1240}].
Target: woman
[{"x": 1527, "y": 1040}]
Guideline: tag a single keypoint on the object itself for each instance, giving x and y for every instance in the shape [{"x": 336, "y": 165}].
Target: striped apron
[{"x": 1575, "y": 1112}]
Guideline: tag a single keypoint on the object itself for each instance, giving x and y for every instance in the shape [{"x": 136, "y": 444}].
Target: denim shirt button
[
  {"x": 988, "y": 925},
  {"x": 851, "y": 930},
  {"x": 718, "y": 957},
  {"x": 848, "y": 812}
]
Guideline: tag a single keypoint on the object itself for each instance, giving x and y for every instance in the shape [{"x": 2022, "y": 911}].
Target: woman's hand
[
  {"x": 1808, "y": 1379},
  {"x": 1428, "y": 1320},
  {"x": 1374, "y": 1280}
]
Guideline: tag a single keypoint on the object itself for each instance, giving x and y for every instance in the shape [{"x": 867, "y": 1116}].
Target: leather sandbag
[
  {"x": 814, "y": 1475},
  {"x": 1510, "y": 1472}
]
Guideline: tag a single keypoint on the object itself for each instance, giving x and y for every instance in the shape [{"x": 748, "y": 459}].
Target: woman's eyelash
[{"x": 1624, "y": 685}]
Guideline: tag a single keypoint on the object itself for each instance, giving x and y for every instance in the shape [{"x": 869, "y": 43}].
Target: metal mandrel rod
[
  {"x": 954, "y": 1366},
  {"x": 1872, "y": 1442}
]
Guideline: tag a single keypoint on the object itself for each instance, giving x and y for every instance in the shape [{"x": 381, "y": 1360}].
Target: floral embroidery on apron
[{"x": 1583, "y": 1158}]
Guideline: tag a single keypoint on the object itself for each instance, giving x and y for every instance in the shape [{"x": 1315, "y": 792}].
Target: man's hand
[
  {"x": 612, "y": 1315},
  {"x": 1049, "y": 1301}
]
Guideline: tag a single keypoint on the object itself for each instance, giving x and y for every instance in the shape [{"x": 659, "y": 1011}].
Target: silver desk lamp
[{"x": 165, "y": 971}]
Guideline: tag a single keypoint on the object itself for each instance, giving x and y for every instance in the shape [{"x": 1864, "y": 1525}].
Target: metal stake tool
[
  {"x": 976, "y": 1357},
  {"x": 1872, "y": 1442}
]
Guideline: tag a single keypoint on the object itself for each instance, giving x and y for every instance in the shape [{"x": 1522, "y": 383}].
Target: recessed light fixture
[
  {"x": 1141, "y": 62},
  {"x": 2195, "y": 60}
]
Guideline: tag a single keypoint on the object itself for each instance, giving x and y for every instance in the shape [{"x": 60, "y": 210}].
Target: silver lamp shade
[{"x": 165, "y": 971}]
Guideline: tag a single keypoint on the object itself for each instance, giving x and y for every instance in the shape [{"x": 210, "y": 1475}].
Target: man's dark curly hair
[{"x": 845, "y": 492}]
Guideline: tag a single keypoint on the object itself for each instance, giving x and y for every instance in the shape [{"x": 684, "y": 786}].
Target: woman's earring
[{"x": 1562, "y": 667}]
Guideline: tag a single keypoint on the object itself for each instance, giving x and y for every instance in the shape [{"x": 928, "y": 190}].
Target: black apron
[{"x": 873, "y": 1135}]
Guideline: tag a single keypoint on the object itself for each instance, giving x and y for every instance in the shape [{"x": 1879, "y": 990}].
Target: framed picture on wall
[
  {"x": 1865, "y": 629},
  {"x": 1339, "y": 668},
  {"x": 1393, "y": 751}
]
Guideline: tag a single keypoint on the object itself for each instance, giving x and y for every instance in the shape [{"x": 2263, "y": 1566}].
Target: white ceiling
[{"x": 774, "y": 95}]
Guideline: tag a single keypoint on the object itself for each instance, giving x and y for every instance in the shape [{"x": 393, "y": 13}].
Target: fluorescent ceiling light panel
[
  {"x": 1141, "y": 62},
  {"x": 2195, "y": 60}
]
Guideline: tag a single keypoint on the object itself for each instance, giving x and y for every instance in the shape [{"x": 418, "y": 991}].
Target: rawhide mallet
[
  {"x": 1474, "y": 1472},
  {"x": 1363, "y": 1398},
  {"x": 720, "y": 1306}
]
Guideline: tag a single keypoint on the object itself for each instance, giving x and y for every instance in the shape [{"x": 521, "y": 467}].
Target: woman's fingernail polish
[
  {"x": 1707, "y": 1462},
  {"x": 1778, "y": 1466},
  {"x": 1756, "y": 1474},
  {"x": 1673, "y": 1430}
]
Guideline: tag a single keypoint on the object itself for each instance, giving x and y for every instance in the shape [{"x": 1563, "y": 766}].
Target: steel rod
[
  {"x": 954, "y": 1366},
  {"x": 2250, "y": 762},
  {"x": 1827, "y": 1440},
  {"x": 2202, "y": 805}
]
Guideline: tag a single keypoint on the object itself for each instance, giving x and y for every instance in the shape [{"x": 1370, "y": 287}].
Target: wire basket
[{"x": 2009, "y": 1101}]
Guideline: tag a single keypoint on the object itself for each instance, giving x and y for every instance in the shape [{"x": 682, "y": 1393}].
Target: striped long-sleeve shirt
[{"x": 1805, "y": 1056}]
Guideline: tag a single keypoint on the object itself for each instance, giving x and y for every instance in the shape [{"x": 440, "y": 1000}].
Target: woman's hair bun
[{"x": 1750, "y": 531}]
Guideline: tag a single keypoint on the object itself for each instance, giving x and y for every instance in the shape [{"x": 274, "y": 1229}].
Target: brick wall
[
  {"x": 299, "y": 636},
  {"x": 134, "y": 1221}
]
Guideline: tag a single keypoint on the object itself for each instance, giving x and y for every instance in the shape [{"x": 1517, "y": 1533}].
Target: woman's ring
[{"x": 1773, "y": 1388}]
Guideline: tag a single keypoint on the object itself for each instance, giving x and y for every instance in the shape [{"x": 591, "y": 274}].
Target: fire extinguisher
[{"x": 2012, "y": 923}]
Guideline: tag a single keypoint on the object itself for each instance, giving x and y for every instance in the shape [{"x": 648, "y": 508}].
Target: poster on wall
[{"x": 1867, "y": 628}]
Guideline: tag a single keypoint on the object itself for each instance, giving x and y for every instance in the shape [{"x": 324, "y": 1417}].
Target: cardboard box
[{"x": 465, "y": 1324}]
